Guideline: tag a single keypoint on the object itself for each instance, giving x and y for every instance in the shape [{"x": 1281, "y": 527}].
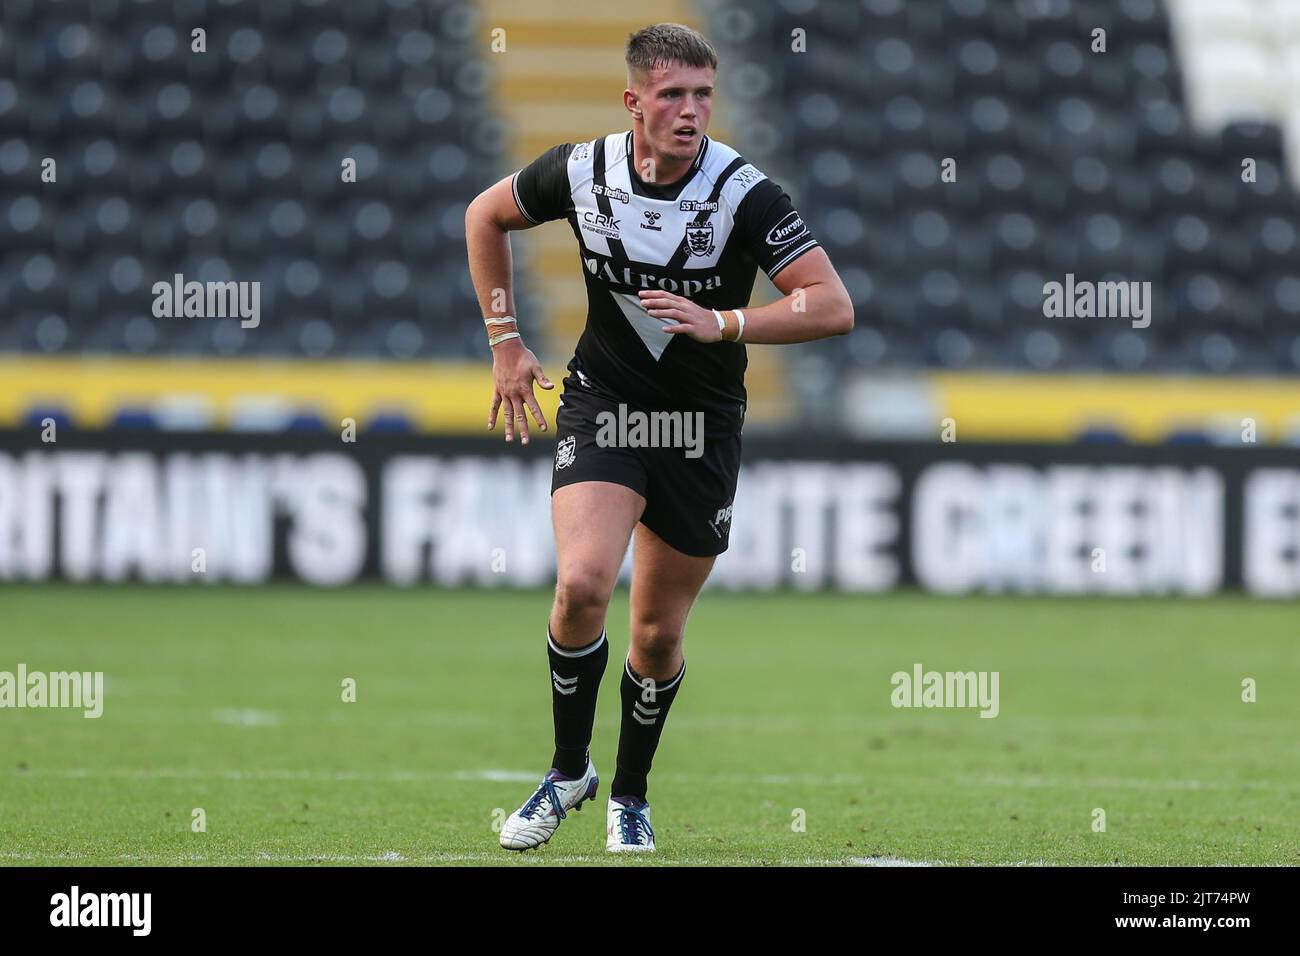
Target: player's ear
[{"x": 633, "y": 102}]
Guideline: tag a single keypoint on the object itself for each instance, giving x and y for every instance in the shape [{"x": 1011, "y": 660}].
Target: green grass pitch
[{"x": 230, "y": 700}]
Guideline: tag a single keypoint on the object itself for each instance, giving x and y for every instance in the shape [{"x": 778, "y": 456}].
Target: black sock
[
  {"x": 645, "y": 708},
  {"x": 575, "y": 681}
]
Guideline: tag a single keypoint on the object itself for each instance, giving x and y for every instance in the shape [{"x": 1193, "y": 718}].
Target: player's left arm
[{"x": 815, "y": 305}]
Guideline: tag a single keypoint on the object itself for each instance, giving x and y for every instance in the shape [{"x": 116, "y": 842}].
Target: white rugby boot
[
  {"x": 627, "y": 826},
  {"x": 533, "y": 823}
]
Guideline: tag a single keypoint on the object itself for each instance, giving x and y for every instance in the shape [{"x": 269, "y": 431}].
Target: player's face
[{"x": 676, "y": 102}]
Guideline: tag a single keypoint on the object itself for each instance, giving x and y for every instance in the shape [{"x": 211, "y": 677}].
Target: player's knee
[
  {"x": 581, "y": 591},
  {"x": 657, "y": 640}
]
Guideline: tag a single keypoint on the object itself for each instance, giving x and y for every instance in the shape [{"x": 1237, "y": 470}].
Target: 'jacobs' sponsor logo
[
  {"x": 628, "y": 276},
  {"x": 698, "y": 205},
  {"x": 787, "y": 230},
  {"x": 611, "y": 192}
]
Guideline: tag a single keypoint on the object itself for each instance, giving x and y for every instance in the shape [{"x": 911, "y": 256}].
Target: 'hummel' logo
[
  {"x": 564, "y": 685},
  {"x": 650, "y": 712}
]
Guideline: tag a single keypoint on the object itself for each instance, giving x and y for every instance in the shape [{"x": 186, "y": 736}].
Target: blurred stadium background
[
  {"x": 957, "y": 441},
  {"x": 1166, "y": 152},
  {"x": 226, "y": 165}
]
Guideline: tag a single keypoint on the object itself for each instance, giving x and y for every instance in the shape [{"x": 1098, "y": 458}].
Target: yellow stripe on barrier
[
  {"x": 1144, "y": 409},
  {"x": 453, "y": 397},
  {"x": 433, "y": 396}
]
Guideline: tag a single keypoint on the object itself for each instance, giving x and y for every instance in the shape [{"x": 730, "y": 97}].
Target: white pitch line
[
  {"x": 246, "y": 717},
  {"x": 1126, "y": 783},
  {"x": 498, "y": 775},
  {"x": 390, "y": 857},
  {"x": 889, "y": 861},
  {"x": 533, "y": 859}
]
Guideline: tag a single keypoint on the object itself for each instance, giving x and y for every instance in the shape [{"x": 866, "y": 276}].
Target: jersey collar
[{"x": 671, "y": 190}]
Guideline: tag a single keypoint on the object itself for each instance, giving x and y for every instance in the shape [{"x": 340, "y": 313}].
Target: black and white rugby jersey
[{"x": 703, "y": 237}]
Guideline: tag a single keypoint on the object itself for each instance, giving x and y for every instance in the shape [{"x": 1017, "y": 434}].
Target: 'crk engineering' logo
[{"x": 600, "y": 224}]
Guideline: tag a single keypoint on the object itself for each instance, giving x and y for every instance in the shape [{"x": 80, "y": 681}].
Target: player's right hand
[{"x": 514, "y": 369}]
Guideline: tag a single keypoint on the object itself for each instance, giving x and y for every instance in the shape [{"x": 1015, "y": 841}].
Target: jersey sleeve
[
  {"x": 542, "y": 187},
  {"x": 771, "y": 229}
]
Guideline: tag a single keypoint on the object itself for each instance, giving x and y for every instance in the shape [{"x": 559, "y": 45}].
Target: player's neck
[{"x": 663, "y": 172}]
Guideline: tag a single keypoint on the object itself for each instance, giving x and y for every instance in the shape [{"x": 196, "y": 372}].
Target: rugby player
[{"x": 671, "y": 228}]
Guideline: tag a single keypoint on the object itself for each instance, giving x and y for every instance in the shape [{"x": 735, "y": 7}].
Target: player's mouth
[{"x": 684, "y": 134}]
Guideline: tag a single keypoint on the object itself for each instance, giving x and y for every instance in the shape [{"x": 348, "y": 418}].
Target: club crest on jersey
[
  {"x": 565, "y": 452},
  {"x": 699, "y": 238}
]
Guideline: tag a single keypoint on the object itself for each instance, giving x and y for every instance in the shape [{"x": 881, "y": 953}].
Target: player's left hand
[{"x": 690, "y": 319}]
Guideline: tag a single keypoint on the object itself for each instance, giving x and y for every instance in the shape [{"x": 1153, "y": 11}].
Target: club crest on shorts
[
  {"x": 699, "y": 238},
  {"x": 565, "y": 452}
]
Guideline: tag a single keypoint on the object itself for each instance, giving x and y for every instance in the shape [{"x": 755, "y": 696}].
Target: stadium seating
[
  {"x": 227, "y": 165},
  {"x": 1067, "y": 161}
]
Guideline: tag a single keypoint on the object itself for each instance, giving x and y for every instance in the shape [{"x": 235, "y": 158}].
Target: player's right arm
[
  {"x": 537, "y": 193},
  {"x": 489, "y": 220}
]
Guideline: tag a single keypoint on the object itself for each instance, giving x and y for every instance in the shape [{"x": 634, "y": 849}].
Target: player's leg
[
  {"x": 665, "y": 584},
  {"x": 593, "y": 521},
  {"x": 686, "y": 525}
]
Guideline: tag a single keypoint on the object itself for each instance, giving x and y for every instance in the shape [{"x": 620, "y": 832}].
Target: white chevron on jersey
[{"x": 645, "y": 325}]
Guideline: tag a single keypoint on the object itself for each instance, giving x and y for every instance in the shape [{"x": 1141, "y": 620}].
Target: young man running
[{"x": 671, "y": 228}]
